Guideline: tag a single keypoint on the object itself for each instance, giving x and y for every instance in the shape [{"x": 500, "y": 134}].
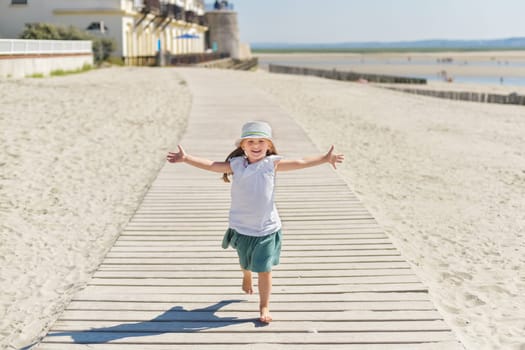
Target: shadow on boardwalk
[{"x": 174, "y": 320}]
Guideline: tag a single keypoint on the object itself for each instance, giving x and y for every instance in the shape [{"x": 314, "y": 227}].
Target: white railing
[{"x": 37, "y": 47}]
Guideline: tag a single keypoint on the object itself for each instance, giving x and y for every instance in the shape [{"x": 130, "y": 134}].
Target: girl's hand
[
  {"x": 177, "y": 157},
  {"x": 333, "y": 158}
]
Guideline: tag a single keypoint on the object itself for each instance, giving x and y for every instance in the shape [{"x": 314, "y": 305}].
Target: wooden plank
[
  {"x": 288, "y": 228},
  {"x": 291, "y": 187},
  {"x": 189, "y": 337},
  {"x": 178, "y": 313},
  {"x": 301, "y": 234},
  {"x": 228, "y": 260},
  {"x": 277, "y": 281},
  {"x": 133, "y": 243},
  {"x": 228, "y": 252},
  {"x": 214, "y": 213},
  {"x": 289, "y": 249},
  {"x": 249, "y": 307},
  {"x": 298, "y": 267},
  {"x": 214, "y": 224},
  {"x": 183, "y": 210},
  {"x": 312, "y": 227},
  {"x": 298, "y": 206},
  {"x": 92, "y": 295},
  {"x": 292, "y": 237},
  {"x": 448, "y": 345},
  {"x": 195, "y": 184},
  {"x": 204, "y": 273},
  {"x": 221, "y": 290},
  {"x": 220, "y": 218},
  {"x": 212, "y": 246},
  {"x": 283, "y": 326},
  {"x": 199, "y": 195},
  {"x": 224, "y": 199},
  {"x": 298, "y": 202}
]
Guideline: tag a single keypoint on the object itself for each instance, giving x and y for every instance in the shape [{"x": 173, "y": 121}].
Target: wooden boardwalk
[{"x": 167, "y": 284}]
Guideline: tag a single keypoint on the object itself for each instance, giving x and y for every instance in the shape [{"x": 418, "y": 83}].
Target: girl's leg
[
  {"x": 265, "y": 289},
  {"x": 247, "y": 285}
]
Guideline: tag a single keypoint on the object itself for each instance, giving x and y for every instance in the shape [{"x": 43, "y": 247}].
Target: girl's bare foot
[
  {"x": 247, "y": 285},
  {"x": 265, "y": 288},
  {"x": 265, "y": 315}
]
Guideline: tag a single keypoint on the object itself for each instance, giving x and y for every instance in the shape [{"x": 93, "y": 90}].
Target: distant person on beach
[
  {"x": 254, "y": 223},
  {"x": 217, "y": 5}
]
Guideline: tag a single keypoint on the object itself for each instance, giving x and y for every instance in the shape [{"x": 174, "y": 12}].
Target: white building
[{"x": 139, "y": 27}]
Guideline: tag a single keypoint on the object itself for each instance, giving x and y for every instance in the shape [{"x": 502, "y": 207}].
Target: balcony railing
[
  {"x": 171, "y": 11},
  {"x": 161, "y": 8},
  {"x": 191, "y": 17},
  {"x": 178, "y": 12},
  {"x": 152, "y": 6},
  {"x": 201, "y": 20}
]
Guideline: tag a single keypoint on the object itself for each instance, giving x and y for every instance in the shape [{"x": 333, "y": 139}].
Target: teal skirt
[{"x": 257, "y": 254}]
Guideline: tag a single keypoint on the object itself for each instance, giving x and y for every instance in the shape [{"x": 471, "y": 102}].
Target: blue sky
[{"x": 309, "y": 21}]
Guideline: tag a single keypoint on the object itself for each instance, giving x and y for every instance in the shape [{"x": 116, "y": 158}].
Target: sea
[{"x": 348, "y": 62}]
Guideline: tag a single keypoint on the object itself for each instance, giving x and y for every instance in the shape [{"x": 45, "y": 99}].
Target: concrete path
[{"x": 167, "y": 284}]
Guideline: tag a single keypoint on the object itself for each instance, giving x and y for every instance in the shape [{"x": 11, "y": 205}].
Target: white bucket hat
[{"x": 255, "y": 130}]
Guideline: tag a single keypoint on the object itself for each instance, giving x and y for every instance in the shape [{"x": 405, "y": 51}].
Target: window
[
  {"x": 18, "y": 2},
  {"x": 97, "y": 27}
]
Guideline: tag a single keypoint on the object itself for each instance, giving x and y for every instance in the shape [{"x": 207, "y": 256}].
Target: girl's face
[{"x": 255, "y": 149}]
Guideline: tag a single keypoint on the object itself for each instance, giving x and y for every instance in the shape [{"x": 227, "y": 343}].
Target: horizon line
[{"x": 385, "y": 42}]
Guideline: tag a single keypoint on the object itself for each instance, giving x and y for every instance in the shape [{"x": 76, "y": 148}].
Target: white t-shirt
[{"x": 253, "y": 211}]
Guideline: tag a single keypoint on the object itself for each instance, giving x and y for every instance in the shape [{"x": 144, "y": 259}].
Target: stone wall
[
  {"x": 26, "y": 65},
  {"x": 21, "y": 58}
]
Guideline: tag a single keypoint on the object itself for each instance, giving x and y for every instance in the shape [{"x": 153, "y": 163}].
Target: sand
[
  {"x": 77, "y": 155},
  {"x": 446, "y": 179}
]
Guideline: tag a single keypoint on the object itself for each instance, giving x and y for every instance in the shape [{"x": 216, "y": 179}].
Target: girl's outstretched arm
[
  {"x": 295, "y": 164},
  {"x": 182, "y": 157}
]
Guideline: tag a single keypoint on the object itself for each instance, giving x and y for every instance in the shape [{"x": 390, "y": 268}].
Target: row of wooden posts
[
  {"x": 512, "y": 98},
  {"x": 344, "y": 75}
]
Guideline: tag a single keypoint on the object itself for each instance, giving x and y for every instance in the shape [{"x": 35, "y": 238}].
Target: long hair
[{"x": 239, "y": 152}]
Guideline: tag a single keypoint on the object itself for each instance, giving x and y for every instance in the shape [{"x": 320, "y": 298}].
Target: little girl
[{"x": 254, "y": 224}]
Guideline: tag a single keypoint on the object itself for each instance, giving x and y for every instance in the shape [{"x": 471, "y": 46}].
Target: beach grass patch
[
  {"x": 35, "y": 75},
  {"x": 60, "y": 72},
  {"x": 115, "y": 61}
]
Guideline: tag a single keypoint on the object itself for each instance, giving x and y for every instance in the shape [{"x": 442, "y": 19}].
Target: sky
[{"x": 333, "y": 21}]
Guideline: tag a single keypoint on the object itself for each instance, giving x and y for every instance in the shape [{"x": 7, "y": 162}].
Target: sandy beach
[
  {"x": 77, "y": 155},
  {"x": 446, "y": 180}
]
